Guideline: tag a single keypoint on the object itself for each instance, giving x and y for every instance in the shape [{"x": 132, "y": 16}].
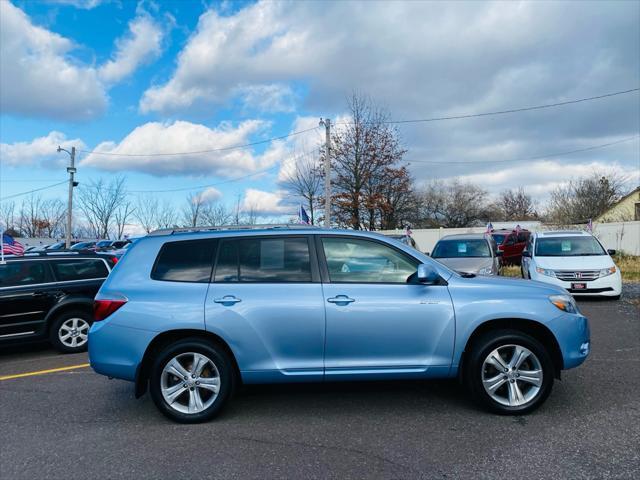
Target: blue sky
[{"x": 180, "y": 76}]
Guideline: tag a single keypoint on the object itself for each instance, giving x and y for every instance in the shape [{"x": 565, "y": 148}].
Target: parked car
[
  {"x": 84, "y": 246},
  {"x": 104, "y": 245},
  {"x": 511, "y": 243},
  {"x": 50, "y": 296},
  {"x": 574, "y": 260},
  {"x": 190, "y": 316},
  {"x": 472, "y": 253},
  {"x": 59, "y": 245}
]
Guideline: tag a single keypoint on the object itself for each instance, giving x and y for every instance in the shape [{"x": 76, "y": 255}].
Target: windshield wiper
[{"x": 467, "y": 274}]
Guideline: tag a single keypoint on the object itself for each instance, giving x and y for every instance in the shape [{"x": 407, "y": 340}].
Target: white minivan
[{"x": 573, "y": 259}]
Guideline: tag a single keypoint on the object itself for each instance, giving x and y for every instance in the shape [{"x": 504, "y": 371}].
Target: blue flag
[{"x": 302, "y": 216}]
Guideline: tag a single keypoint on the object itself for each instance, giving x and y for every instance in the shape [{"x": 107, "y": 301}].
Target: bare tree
[
  {"x": 452, "y": 204},
  {"x": 305, "y": 183},
  {"x": 364, "y": 152},
  {"x": 585, "y": 198},
  {"x": 167, "y": 216},
  {"x": 517, "y": 205},
  {"x": 215, "y": 214},
  {"x": 191, "y": 212},
  {"x": 54, "y": 212},
  {"x": 122, "y": 216},
  {"x": 147, "y": 212},
  {"x": 8, "y": 219},
  {"x": 31, "y": 219},
  {"x": 98, "y": 201}
]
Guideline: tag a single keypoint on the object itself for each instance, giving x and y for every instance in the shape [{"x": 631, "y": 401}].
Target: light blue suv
[{"x": 191, "y": 315}]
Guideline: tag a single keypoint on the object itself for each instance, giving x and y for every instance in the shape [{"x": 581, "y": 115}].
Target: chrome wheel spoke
[
  {"x": 195, "y": 401},
  {"x": 515, "y": 394},
  {"x": 494, "y": 383},
  {"x": 177, "y": 370},
  {"x": 496, "y": 360},
  {"x": 519, "y": 355},
  {"x": 172, "y": 393},
  {"x": 199, "y": 362},
  {"x": 533, "y": 377},
  {"x": 212, "y": 384}
]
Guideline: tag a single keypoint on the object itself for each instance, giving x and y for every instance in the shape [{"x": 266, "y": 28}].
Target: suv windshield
[
  {"x": 499, "y": 238},
  {"x": 568, "y": 247},
  {"x": 461, "y": 249},
  {"x": 103, "y": 243}
]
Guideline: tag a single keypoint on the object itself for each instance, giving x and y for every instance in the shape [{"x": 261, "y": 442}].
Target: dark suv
[{"x": 50, "y": 296}]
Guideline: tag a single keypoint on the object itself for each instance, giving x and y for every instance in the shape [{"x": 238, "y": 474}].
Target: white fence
[{"x": 624, "y": 236}]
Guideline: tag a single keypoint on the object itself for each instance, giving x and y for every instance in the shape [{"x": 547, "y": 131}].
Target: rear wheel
[
  {"x": 191, "y": 380},
  {"x": 70, "y": 331},
  {"x": 509, "y": 372}
]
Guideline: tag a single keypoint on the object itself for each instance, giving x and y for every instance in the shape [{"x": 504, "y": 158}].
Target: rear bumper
[{"x": 116, "y": 351}]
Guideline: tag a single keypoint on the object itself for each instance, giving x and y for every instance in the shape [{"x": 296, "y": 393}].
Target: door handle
[
  {"x": 340, "y": 299},
  {"x": 227, "y": 300}
]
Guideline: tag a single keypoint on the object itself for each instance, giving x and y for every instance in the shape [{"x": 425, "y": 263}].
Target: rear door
[
  {"x": 27, "y": 292},
  {"x": 266, "y": 299},
  {"x": 380, "y": 321}
]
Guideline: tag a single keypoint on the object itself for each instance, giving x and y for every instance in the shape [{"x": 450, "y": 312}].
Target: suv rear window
[
  {"x": 267, "y": 260},
  {"x": 79, "y": 269},
  {"x": 15, "y": 274},
  {"x": 185, "y": 261}
]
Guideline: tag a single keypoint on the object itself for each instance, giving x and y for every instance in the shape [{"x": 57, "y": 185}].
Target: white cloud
[
  {"x": 82, "y": 4},
  {"x": 266, "y": 203},
  {"x": 210, "y": 194},
  {"x": 181, "y": 136},
  {"x": 37, "y": 77},
  {"x": 141, "y": 45},
  {"x": 41, "y": 150},
  {"x": 267, "y": 98}
]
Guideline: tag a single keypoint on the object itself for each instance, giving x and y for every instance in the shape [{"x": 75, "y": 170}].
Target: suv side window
[
  {"x": 274, "y": 259},
  {"x": 15, "y": 274},
  {"x": 79, "y": 269},
  {"x": 185, "y": 261},
  {"x": 352, "y": 260}
]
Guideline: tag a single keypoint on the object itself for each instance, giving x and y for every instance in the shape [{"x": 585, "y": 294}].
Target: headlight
[
  {"x": 565, "y": 303},
  {"x": 607, "y": 271},
  {"x": 544, "y": 271},
  {"x": 485, "y": 271}
]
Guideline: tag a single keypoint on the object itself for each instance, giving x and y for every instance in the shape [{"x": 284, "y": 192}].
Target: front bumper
[
  {"x": 115, "y": 350},
  {"x": 609, "y": 286},
  {"x": 574, "y": 338}
]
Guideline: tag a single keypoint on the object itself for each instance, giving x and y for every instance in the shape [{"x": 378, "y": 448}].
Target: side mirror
[
  {"x": 499, "y": 253},
  {"x": 427, "y": 274},
  {"x": 427, "y": 254},
  {"x": 611, "y": 251},
  {"x": 526, "y": 253}
]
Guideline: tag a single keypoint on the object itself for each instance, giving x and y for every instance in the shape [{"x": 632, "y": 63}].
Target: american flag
[
  {"x": 10, "y": 246},
  {"x": 303, "y": 217},
  {"x": 589, "y": 226},
  {"x": 407, "y": 231},
  {"x": 489, "y": 227}
]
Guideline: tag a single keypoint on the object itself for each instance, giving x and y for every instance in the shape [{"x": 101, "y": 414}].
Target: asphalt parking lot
[{"x": 74, "y": 424}]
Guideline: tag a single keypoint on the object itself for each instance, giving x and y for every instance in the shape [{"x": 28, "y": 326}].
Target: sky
[{"x": 139, "y": 86}]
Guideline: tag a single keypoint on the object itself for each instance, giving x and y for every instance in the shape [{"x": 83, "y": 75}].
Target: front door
[
  {"x": 380, "y": 321},
  {"x": 266, "y": 296}
]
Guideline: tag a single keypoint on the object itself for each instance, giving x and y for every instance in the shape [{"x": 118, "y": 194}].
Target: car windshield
[
  {"x": 568, "y": 247},
  {"x": 104, "y": 243},
  {"x": 81, "y": 245},
  {"x": 499, "y": 238},
  {"x": 461, "y": 249}
]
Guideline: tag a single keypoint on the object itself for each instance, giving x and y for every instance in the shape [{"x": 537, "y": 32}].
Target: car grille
[{"x": 581, "y": 275}]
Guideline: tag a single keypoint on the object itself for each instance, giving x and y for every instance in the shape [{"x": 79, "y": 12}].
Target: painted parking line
[{"x": 43, "y": 372}]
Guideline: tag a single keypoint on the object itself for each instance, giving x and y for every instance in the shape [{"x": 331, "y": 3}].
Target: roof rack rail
[{"x": 265, "y": 226}]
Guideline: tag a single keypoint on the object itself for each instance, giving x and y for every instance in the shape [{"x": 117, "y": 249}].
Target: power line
[
  {"x": 539, "y": 157},
  {"x": 503, "y": 112},
  {"x": 199, "y": 152},
  {"x": 31, "y": 191}
]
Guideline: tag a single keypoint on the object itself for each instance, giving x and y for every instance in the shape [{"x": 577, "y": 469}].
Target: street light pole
[
  {"x": 327, "y": 172},
  {"x": 71, "y": 169}
]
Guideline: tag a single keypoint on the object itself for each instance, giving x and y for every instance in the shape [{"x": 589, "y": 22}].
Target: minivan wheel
[
  {"x": 69, "y": 332},
  {"x": 509, "y": 372},
  {"x": 191, "y": 380}
]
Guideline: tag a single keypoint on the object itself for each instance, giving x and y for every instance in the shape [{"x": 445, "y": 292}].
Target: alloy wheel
[
  {"x": 190, "y": 382},
  {"x": 512, "y": 375},
  {"x": 74, "y": 332}
]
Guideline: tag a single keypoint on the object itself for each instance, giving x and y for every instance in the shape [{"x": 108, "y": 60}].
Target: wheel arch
[
  {"x": 68, "y": 304},
  {"x": 171, "y": 336},
  {"x": 530, "y": 327}
]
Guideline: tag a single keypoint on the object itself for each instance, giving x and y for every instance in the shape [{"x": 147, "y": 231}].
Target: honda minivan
[{"x": 190, "y": 315}]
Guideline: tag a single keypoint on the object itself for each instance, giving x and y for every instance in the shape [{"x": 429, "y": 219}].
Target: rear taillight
[
  {"x": 103, "y": 308},
  {"x": 114, "y": 260},
  {"x": 500, "y": 247}
]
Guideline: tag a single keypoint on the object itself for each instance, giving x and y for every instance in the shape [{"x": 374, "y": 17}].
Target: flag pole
[{"x": 2, "y": 262}]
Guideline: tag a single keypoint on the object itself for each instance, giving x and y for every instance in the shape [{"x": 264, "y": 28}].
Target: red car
[{"x": 511, "y": 243}]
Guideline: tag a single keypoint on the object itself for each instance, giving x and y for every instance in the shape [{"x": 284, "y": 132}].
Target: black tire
[
  {"x": 221, "y": 361},
  {"x": 474, "y": 367},
  {"x": 57, "y": 325}
]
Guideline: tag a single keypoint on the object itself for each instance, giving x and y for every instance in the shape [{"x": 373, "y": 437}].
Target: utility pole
[
  {"x": 71, "y": 169},
  {"x": 326, "y": 123}
]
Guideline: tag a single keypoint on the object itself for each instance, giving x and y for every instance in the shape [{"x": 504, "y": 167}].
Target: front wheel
[
  {"x": 191, "y": 380},
  {"x": 509, "y": 372}
]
